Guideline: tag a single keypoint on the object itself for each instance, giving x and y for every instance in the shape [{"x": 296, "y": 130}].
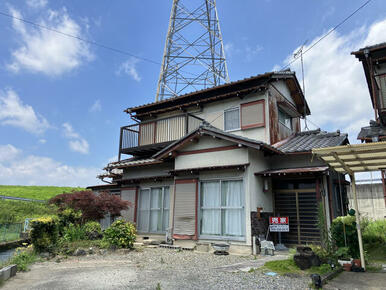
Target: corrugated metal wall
[{"x": 146, "y": 133}]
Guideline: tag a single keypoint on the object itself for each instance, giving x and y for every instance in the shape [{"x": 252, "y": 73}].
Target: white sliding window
[
  {"x": 153, "y": 214},
  {"x": 222, "y": 208}
]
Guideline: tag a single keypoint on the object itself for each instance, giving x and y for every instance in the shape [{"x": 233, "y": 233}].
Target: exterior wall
[
  {"x": 371, "y": 202},
  {"x": 255, "y": 196},
  {"x": 147, "y": 170},
  {"x": 206, "y": 159},
  {"x": 294, "y": 161},
  {"x": 282, "y": 87}
]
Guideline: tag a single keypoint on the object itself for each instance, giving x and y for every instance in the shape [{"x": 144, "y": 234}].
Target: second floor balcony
[{"x": 148, "y": 137}]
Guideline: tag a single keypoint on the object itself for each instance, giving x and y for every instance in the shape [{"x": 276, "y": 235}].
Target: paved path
[{"x": 353, "y": 281}]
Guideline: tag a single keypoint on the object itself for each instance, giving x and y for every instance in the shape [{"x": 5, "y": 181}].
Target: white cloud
[
  {"x": 76, "y": 142},
  {"x": 8, "y": 152},
  {"x": 47, "y": 52},
  {"x": 14, "y": 113},
  {"x": 336, "y": 88},
  {"x": 249, "y": 52},
  {"x": 129, "y": 68},
  {"x": 37, "y": 3},
  {"x": 19, "y": 169},
  {"x": 96, "y": 107},
  {"x": 42, "y": 141}
]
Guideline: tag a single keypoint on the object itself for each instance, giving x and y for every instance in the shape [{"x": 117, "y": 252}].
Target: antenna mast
[
  {"x": 194, "y": 56},
  {"x": 296, "y": 54}
]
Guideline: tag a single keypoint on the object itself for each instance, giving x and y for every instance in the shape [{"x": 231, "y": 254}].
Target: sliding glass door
[
  {"x": 153, "y": 210},
  {"x": 222, "y": 208}
]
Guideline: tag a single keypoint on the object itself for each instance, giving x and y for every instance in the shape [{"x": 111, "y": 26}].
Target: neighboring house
[
  {"x": 373, "y": 59},
  {"x": 204, "y": 163}
]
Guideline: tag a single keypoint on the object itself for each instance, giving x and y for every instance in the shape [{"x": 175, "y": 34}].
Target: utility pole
[{"x": 193, "y": 57}]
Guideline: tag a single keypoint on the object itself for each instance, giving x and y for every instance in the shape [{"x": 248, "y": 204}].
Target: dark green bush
[
  {"x": 44, "y": 234},
  {"x": 120, "y": 234},
  {"x": 346, "y": 224},
  {"x": 93, "y": 230}
]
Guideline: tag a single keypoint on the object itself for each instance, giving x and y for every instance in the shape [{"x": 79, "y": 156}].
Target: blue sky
[{"x": 62, "y": 101}]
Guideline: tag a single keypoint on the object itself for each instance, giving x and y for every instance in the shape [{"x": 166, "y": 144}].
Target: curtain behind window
[
  {"x": 155, "y": 210},
  {"x": 211, "y": 212},
  {"x": 232, "y": 202},
  {"x": 232, "y": 119},
  {"x": 144, "y": 203},
  {"x": 165, "y": 222}
]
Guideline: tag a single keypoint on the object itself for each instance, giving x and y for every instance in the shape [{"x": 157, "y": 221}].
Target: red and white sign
[{"x": 279, "y": 224}]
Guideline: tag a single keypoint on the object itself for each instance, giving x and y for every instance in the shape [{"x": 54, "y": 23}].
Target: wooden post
[
  {"x": 297, "y": 215},
  {"x": 354, "y": 191}
]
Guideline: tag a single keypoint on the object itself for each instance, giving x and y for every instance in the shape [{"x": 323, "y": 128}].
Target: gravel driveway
[{"x": 153, "y": 266}]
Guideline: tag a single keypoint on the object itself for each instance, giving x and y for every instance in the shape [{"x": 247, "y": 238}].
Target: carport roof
[{"x": 354, "y": 158}]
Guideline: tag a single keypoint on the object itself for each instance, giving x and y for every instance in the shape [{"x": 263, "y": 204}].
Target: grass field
[
  {"x": 35, "y": 192},
  {"x": 13, "y": 211}
]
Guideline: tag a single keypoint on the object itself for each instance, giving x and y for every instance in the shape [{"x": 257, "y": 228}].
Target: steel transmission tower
[{"x": 194, "y": 56}]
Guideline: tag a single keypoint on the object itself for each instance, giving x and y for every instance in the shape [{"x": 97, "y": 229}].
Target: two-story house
[
  {"x": 373, "y": 59},
  {"x": 213, "y": 164}
]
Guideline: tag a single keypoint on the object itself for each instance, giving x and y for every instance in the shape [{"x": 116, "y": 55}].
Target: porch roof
[
  {"x": 299, "y": 170},
  {"x": 354, "y": 158}
]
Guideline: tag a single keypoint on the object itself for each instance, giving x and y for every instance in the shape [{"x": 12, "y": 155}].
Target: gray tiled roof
[
  {"x": 375, "y": 130},
  {"x": 306, "y": 141}
]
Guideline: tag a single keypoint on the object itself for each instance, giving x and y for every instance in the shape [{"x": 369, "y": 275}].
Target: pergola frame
[{"x": 351, "y": 159}]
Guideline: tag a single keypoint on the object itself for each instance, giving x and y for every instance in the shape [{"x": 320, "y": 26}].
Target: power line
[
  {"x": 117, "y": 50},
  {"x": 328, "y": 33}
]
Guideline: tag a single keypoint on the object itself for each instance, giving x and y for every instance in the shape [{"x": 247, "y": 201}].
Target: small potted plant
[{"x": 344, "y": 258}]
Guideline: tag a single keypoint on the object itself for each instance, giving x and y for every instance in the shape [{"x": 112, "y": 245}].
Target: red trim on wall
[
  {"x": 252, "y": 125},
  {"x": 136, "y": 205},
  {"x": 206, "y": 150}
]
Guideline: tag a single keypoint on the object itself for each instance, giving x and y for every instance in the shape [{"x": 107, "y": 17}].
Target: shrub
[
  {"x": 73, "y": 233},
  {"x": 120, "y": 234},
  {"x": 93, "y": 207},
  {"x": 337, "y": 232},
  {"x": 93, "y": 230},
  {"x": 68, "y": 216},
  {"x": 23, "y": 257},
  {"x": 375, "y": 232},
  {"x": 44, "y": 234}
]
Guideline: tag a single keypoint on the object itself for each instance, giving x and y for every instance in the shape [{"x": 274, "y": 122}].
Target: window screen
[
  {"x": 252, "y": 114},
  {"x": 232, "y": 119}
]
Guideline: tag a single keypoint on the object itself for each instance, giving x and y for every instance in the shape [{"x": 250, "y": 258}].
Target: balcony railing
[{"x": 161, "y": 131}]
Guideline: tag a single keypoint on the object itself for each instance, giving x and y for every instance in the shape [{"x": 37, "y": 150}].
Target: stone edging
[{"x": 8, "y": 272}]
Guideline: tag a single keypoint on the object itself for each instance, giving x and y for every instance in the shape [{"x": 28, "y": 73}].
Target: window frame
[
  {"x": 256, "y": 125},
  {"x": 199, "y": 210},
  {"x": 229, "y": 110},
  {"x": 150, "y": 209},
  {"x": 280, "y": 110}
]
